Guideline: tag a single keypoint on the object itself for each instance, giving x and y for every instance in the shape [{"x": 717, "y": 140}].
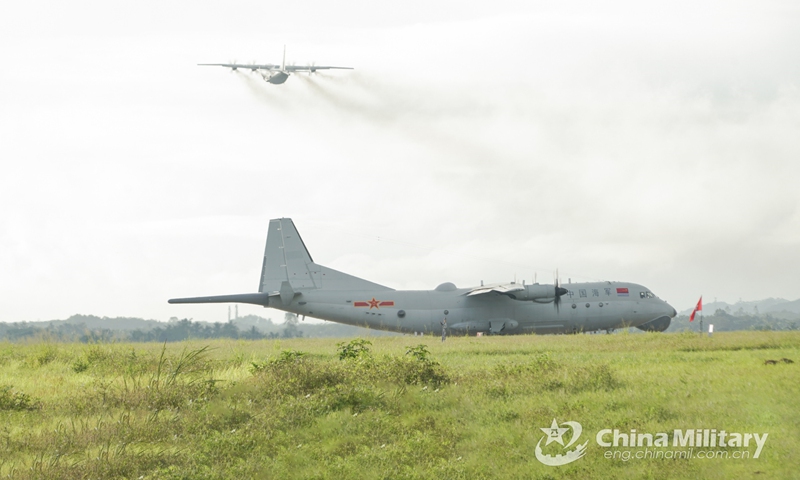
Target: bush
[
  {"x": 419, "y": 368},
  {"x": 420, "y": 352},
  {"x": 294, "y": 374},
  {"x": 11, "y": 400},
  {"x": 80, "y": 365},
  {"x": 356, "y": 349}
]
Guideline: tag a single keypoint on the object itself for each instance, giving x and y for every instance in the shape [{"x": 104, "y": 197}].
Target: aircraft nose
[{"x": 674, "y": 312}]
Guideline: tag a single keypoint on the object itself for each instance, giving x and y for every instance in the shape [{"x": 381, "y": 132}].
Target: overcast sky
[{"x": 486, "y": 141}]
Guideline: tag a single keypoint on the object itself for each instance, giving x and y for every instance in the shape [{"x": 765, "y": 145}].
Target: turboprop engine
[
  {"x": 530, "y": 293},
  {"x": 538, "y": 293}
]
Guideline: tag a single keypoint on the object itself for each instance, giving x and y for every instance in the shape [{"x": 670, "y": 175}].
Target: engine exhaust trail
[
  {"x": 346, "y": 104},
  {"x": 260, "y": 91},
  {"x": 399, "y": 110}
]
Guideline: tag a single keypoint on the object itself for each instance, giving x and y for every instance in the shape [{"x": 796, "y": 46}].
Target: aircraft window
[
  {"x": 601, "y": 304},
  {"x": 446, "y": 312},
  {"x": 595, "y": 292},
  {"x": 582, "y": 292},
  {"x": 587, "y": 305},
  {"x": 401, "y": 313},
  {"x": 574, "y": 306},
  {"x": 650, "y": 295},
  {"x": 642, "y": 295}
]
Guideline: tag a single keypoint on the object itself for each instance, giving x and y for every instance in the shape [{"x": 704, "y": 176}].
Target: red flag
[{"x": 696, "y": 309}]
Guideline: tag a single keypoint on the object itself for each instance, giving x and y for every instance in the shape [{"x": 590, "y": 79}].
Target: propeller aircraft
[
  {"x": 292, "y": 282},
  {"x": 274, "y": 74}
]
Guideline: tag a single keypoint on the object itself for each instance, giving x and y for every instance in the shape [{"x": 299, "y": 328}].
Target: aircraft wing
[
  {"x": 503, "y": 288},
  {"x": 243, "y": 66},
  {"x": 311, "y": 68}
]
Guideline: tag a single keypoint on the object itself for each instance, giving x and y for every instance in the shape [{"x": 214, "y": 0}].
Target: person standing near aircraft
[{"x": 444, "y": 329}]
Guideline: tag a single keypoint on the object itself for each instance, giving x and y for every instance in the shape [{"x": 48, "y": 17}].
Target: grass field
[{"x": 469, "y": 408}]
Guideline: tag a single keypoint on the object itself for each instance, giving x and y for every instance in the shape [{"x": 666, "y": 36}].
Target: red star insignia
[{"x": 373, "y": 303}]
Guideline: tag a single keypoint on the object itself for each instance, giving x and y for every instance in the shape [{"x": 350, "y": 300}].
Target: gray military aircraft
[
  {"x": 274, "y": 74},
  {"x": 292, "y": 282}
]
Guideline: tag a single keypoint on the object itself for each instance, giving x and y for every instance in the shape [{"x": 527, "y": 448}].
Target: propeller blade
[
  {"x": 559, "y": 292},
  {"x": 557, "y": 287}
]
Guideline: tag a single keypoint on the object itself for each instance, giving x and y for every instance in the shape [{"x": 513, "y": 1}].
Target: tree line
[
  {"x": 725, "y": 321},
  {"x": 169, "y": 332},
  {"x": 93, "y": 329}
]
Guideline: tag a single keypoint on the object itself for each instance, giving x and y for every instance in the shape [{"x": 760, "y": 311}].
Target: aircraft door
[
  {"x": 595, "y": 308},
  {"x": 569, "y": 308}
]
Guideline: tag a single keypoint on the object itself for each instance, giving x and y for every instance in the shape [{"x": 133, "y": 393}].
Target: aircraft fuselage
[
  {"x": 587, "y": 307},
  {"x": 292, "y": 282},
  {"x": 277, "y": 78}
]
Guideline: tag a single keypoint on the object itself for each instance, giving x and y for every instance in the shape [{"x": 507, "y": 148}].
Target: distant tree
[
  {"x": 229, "y": 330},
  {"x": 291, "y": 329}
]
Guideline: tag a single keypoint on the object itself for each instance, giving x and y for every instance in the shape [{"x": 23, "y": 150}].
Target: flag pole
[
  {"x": 698, "y": 307},
  {"x": 701, "y": 322},
  {"x": 700, "y": 304}
]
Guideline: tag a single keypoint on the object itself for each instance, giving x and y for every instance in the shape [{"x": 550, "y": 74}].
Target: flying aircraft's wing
[
  {"x": 243, "y": 66},
  {"x": 311, "y": 68},
  {"x": 504, "y": 288}
]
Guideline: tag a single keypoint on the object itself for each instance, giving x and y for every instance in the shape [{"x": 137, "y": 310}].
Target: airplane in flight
[
  {"x": 291, "y": 281},
  {"x": 274, "y": 74}
]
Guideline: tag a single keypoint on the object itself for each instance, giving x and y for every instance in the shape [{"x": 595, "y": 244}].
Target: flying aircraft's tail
[{"x": 287, "y": 271}]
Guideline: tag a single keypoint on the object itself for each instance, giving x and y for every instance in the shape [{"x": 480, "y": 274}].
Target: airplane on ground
[
  {"x": 292, "y": 282},
  {"x": 274, "y": 74}
]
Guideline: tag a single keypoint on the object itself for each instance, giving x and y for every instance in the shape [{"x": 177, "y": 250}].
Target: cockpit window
[{"x": 646, "y": 295}]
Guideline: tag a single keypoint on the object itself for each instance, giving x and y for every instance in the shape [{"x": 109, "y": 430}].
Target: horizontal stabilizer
[{"x": 254, "y": 298}]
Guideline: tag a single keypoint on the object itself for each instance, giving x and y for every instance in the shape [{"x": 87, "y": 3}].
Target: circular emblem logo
[{"x": 555, "y": 433}]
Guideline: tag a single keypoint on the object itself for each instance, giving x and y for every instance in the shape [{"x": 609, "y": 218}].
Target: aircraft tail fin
[{"x": 287, "y": 263}]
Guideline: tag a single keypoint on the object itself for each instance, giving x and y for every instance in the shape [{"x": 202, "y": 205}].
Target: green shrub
[
  {"x": 286, "y": 357},
  {"x": 356, "y": 349},
  {"x": 12, "y": 400},
  {"x": 80, "y": 365},
  {"x": 420, "y": 352},
  {"x": 45, "y": 355},
  {"x": 418, "y": 367}
]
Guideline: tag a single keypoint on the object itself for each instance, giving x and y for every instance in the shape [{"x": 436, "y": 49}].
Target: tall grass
[{"x": 466, "y": 408}]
